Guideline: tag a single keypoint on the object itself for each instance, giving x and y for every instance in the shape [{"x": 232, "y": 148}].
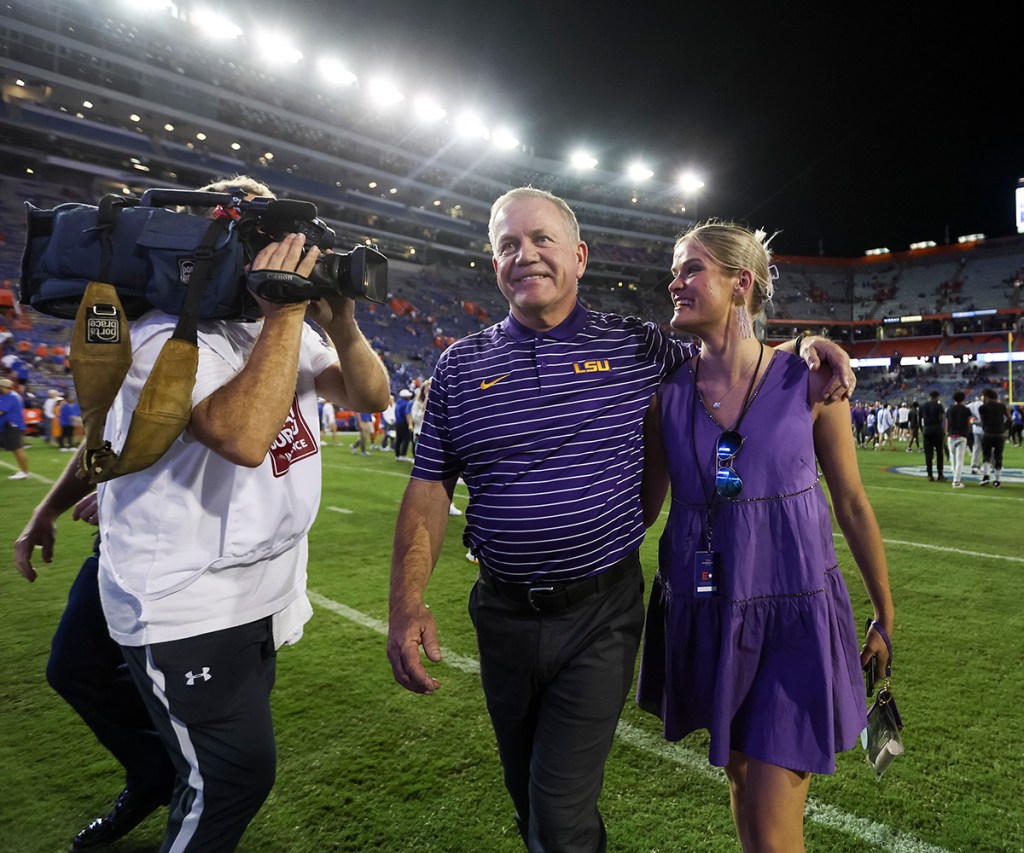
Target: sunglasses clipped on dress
[{"x": 727, "y": 482}]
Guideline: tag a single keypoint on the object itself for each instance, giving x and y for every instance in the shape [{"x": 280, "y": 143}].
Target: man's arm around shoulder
[{"x": 818, "y": 351}]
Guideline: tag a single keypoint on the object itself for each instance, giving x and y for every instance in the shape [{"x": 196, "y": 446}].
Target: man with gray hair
[{"x": 542, "y": 416}]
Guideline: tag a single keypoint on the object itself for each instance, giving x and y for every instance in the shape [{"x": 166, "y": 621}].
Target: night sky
[{"x": 844, "y": 128}]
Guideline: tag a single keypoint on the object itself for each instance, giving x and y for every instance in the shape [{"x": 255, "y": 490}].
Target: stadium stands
[{"x": 421, "y": 199}]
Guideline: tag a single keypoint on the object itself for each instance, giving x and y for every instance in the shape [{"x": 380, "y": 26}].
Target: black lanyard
[{"x": 709, "y": 500}]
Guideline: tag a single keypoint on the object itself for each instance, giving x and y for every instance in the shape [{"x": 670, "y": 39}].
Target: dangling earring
[{"x": 743, "y": 325}]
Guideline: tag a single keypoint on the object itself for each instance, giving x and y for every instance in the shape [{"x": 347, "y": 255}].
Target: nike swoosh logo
[{"x": 484, "y": 384}]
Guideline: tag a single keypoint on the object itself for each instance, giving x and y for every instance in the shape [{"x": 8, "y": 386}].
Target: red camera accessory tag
[
  {"x": 221, "y": 212},
  {"x": 706, "y": 573}
]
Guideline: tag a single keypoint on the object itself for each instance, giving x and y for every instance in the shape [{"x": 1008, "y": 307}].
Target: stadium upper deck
[{"x": 419, "y": 197}]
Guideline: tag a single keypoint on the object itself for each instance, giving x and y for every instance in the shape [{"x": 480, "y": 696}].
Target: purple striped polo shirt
[{"x": 546, "y": 429}]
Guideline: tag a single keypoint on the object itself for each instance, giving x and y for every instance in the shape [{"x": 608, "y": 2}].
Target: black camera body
[
  {"x": 147, "y": 252},
  {"x": 358, "y": 274}
]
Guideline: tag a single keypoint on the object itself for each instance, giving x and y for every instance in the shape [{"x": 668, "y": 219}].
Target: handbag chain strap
[{"x": 888, "y": 645}]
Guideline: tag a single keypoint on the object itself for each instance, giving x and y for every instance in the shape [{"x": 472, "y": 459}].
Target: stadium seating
[{"x": 419, "y": 198}]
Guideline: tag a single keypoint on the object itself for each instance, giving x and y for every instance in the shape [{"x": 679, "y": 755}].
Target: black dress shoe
[{"x": 130, "y": 809}]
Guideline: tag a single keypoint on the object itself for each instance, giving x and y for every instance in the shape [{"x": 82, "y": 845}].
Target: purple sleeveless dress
[{"x": 770, "y": 665}]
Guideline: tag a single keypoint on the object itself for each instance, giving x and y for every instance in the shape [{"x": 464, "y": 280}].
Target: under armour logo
[{"x": 191, "y": 676}]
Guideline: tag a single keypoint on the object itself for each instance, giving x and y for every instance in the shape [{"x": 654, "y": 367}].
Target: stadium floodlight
[
  {"x": 504, "y": 139},
  {"x": 214, "y": 26},
  {"x": 638, "y": 171},
  {"x": 689, "y": 182},
  {"x": 429, "y": 110},
  {"x": 335, "y": 73},
  {"x": 144, "y": 6},
  {"x": 471, "y": 126},
  {"x": 276, "y": 48},
  {"x": 384, "y": 93},
  {"x": 582, "y": 160}
]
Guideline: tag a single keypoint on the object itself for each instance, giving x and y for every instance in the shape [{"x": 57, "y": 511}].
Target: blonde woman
[{"x": 750, "y": 631}]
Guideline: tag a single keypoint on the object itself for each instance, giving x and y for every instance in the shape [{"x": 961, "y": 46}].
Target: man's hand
[
  {"x": 40, "y": 531},
  {"x": 287, "y": 256},
  {"x": 816, "y": 351},
  {"x": 407, "y": 631},
  {"x": 87, "y": 510},
  {"x": 332, "y": 309}
]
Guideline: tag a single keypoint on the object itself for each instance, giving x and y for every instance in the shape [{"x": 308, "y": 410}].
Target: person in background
[
  {"x": 903, "y": 422},
  {"x": 542, "y": 416},
  {"x": 958, "y": 427},
  {"x": 387, "y": 420},
  {"x": 885, "y": 424},
  {"x": 328, "y": 423},
  {"x": 750, "y": 630},
  {"x": 914, "y": 420},
  {"x": 1016, "y": 425},
  {"x": 12, "y": 427},
  {"x": 977, "y": 434},
  {"x": 364, "y": 423},
  {"x": 49, "y": 411},
  {"x": 87, "y": 670},
  {"x": 859, "y": 418},
  {"x": 933, "y": 416},
  {"x": 403, "y": 425},
  {"x": 70, "y": 418},
  {"x": 418, "y": 409},
  {"x": 995, "y": 421}
]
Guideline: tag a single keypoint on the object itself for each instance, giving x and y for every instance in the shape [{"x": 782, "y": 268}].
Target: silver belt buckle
[{"x": 532, "y": 590}]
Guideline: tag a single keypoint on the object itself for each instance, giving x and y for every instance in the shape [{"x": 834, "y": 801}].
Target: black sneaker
[
  {"x": 997, "y": 485},
  {"x": 130, "y": 809},
  {"x": 985, "y": 481}
]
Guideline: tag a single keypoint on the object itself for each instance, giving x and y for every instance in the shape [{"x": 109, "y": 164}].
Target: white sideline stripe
[
  {"x": 460, "y": 662},
  {"x": 340, "y": 509},
  {"x": 866, "y": 830},
  {"x": 922, "y": 545},
  {"x": 944, "y": 549},
  {"x": 982, "y": 494},
  {"x": 863, "y": 829}
]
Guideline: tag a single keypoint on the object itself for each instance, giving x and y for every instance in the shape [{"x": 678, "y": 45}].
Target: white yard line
[{"x": 868, "y": 831}]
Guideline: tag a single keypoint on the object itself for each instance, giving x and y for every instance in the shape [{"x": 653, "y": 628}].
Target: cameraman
[{"x": 203, "y": 566}]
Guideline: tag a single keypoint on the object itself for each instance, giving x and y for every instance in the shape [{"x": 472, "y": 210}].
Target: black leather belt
[{"x": 552, "y": 597}]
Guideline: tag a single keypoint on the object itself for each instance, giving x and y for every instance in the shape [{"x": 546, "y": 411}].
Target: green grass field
[{"x": 367, "y": 766}]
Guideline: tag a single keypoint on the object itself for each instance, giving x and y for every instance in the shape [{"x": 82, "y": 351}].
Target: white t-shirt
[
  {"x": 194, "y": 543},
  {"x": 328, "y": 417},
  {"x": 975, "y": 406}
]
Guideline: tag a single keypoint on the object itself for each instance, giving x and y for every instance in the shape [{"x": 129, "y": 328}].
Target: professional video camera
[{"x": 147, "y": 252}]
